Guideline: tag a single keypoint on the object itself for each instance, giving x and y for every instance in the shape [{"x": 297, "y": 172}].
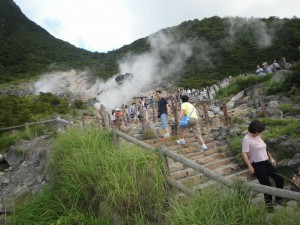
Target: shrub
[
  {"x": 235, "y": 146},
  {"x": 289, "y": 108},
  {"x": 280, "y": 127},
  {"x": 149, "y": 134},
  {"x": 274, "y": 88},
  {"x": 6, "y": 139}
]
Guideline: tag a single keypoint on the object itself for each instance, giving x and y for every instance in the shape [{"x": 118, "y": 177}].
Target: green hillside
[
  {"x": 27, "y": 49},
  {"x": 220, "y": 46}
]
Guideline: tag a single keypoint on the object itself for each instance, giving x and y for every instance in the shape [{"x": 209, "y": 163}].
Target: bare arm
[
  {"x": 272, "y": 159},
  {"x": 181, "y": 114},
  {"x": 247, "y": 161}
]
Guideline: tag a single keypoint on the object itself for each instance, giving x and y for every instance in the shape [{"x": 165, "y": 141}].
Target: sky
[{"x": 106, "y": 25}]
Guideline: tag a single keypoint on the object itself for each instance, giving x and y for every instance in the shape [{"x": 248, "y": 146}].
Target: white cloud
[{"x": 102, "y": 25}]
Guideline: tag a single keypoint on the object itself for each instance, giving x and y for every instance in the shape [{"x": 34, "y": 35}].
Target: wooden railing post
[
  {"x": 154, "y": 111},
  {"x": 27, "y": 130},
  {"x": 116, "y": 139},
  {"x": 226, "y": 118},
  {"x": 82, "y": 120},
  {"x": 103, "y": 114},
  {"x": 263, "y": 107},
  {"x": 143, "y": 118},
  {"x": 208, "y": 94},
  {"x": 205, "y": 110},
  {"x": 124, "y": 115},
  {"x": 175, "y": 111},
  {"x": 283, "y": 63}
]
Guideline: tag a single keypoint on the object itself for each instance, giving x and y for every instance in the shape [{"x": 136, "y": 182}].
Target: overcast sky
[{"x": 104, "y": 25}]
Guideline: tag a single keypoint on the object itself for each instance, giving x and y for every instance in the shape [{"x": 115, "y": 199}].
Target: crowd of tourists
[{"x": 265, "y": 68}]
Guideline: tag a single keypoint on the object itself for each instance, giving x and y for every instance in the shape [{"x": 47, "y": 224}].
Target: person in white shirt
[{"x": 256, "y": 156}]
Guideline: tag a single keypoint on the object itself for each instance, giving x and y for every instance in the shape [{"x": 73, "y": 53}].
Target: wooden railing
[
  {"x": 57, "y": 120},
  {"x": 209, "y": 173}
]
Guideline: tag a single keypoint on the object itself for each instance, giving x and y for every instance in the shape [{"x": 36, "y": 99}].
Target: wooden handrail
[
  {"x": 36, "y": 123},
  {"x": 213, "y": 175}
]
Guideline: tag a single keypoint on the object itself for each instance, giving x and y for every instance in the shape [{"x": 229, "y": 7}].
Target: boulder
[
  {"x": 290, "y": 146},
  {"x": 238, "y": 96},
  {"x": 280, "y": 76},
  {"x": 256, "y": 90},
  {"x": 28, "y": 171}
]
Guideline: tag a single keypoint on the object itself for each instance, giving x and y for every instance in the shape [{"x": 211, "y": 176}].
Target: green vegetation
[
  {"x": 19, "y": 110},
  {"x": 235, "y": 146},
  {"x": 9, "y": 138},
  {"x": 289, "y": 88},
  {"x": 149, "y": 134},
  {"x": 281, "y": 127},
  {"x": 239, "y": 84},
  {"x": 223, "y": 206},
  {"x": 28, "y": 50},
  {"x": 92, "y": 181},
  {"x": 93, "y": 178},
  {"x": 289, "y": 107}
]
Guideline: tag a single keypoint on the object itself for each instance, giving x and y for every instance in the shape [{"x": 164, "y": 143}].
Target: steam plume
[
  {"x": 166, "y": 56},
  {"x": 260, "y": 30}
]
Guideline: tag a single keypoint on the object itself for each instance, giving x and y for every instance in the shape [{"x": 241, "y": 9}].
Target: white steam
[
  {"x": 260, "y": 30},
  {"x": 166, "y": 56}
]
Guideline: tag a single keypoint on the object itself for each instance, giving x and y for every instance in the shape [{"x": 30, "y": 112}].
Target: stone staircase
[{"x": 216, "y": 158}]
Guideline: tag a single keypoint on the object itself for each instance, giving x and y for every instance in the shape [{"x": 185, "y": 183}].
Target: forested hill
[
  {"x": 27, "y": 49},
  {"x": 220, "y": 47}
]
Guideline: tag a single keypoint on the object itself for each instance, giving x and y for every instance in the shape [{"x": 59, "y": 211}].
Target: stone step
[
  {"x": 200, "y": 154},
  {"x": 191, "y": 181},
  {"x": 176, "y": 175},
  {"x": 172, "y": 140},
  {"x": 238, "y": 174},
  {"x": 184, "y": 151},
  {"x": 221, "y": 162},
  {"x": 211, "y": 158},
  {"x": 223, "y": 167},
  {"x": 227, "y": 169},
  {"x": 175, "y": 166}
]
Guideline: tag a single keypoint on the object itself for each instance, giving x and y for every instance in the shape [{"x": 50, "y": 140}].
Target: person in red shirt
[{"x": 118, "y": 115}]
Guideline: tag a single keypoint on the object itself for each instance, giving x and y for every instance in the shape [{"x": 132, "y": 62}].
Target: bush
[
  {"x": 149, "y": 134},
  {"x": 6, "y": 139},
  {"x": 235, "y": 146},
  {"x": 280, "y": 127},
  {"x": 289, "y": 108},
  {"x": 275, "y": 88},
  {"x": 46, "y": 208}
]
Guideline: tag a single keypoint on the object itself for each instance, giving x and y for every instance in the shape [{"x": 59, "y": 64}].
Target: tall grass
[
  {"x": 218, "y": 208},
  {"x": 228, "y": 207},
  {"x": 45, "y": 208},
  {"x": 94, "y": 178}
]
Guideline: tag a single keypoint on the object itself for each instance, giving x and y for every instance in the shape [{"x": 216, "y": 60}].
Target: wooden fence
[
  {"x": 57, "y": 120},
  {"x": 209, "y": 173}
]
